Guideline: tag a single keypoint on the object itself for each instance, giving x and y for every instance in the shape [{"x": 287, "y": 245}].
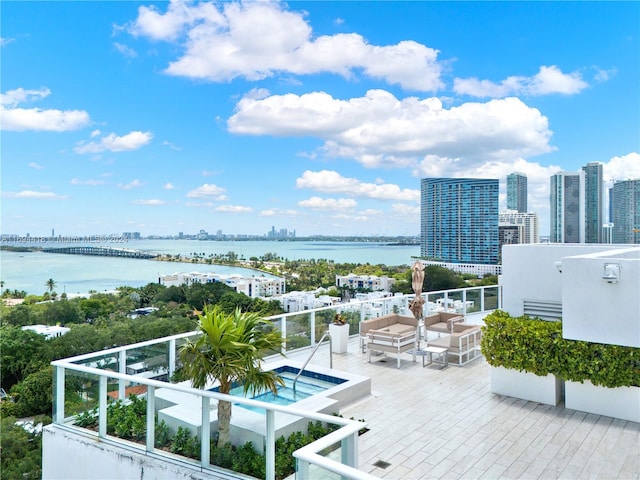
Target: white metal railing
[{"x": 347, "y": 434}]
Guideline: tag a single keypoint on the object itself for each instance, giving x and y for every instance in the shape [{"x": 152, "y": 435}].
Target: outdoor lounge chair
[
  {"x": 396, "y": 337},
  {"x": 463, "y": 344},
  {"x": 441, "y": 322}
]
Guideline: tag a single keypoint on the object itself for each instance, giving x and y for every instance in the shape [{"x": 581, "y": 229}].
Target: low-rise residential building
[
  {"x": 367, "y": 282},
  {"x": 254, "y": 286},
  {"x": 47, "y": 330}
]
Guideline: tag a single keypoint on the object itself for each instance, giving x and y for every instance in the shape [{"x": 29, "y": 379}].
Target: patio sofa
[
  {"x": 441, "y": 322},
  {"x": 392, "y": 333},
  {"x": 463, "y": 343}
]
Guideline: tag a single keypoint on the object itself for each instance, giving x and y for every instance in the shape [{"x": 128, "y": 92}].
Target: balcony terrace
[{"x": 422, "y": 422}]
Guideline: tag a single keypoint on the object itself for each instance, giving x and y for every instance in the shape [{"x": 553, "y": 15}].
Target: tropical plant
[
  {"x": 50, "y": 284},
  {"x": 230, "y": 350}
]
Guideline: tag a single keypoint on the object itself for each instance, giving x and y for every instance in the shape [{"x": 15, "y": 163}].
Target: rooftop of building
[{"x": 427, "y": 422}]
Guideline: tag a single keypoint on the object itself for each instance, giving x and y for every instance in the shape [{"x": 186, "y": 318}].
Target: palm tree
[
  {"x": 230, "y": 349},
  {"x": 50, "y": 284}
]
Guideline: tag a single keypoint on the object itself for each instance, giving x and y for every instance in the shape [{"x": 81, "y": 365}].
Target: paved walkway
[{"x": 431, "y": 423}]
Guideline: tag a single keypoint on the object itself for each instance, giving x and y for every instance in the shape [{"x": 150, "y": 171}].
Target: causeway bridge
[{"x": 103, "y": 252}]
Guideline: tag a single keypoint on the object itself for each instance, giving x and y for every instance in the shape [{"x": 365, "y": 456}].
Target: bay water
[{"x": 77, "y": 274}]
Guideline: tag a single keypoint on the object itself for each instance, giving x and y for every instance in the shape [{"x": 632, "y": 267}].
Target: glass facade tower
[
  {"x": 567, "y": 207},
  {"x": 593, "y": 202},
  {"x": 626, "y": 212},
  {"x": 517, "y": 192},
  {"x": 459, "y": 220}
]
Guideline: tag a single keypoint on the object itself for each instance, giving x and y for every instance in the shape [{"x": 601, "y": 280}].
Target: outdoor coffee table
[{"x": 437, "y": 355}]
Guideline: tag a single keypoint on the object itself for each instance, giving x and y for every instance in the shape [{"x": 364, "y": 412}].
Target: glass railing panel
[
  {"x": 455, "y": 301},
  {"x": 81, "y": 398},
  {"x": 127, "y": 419},
  {"x": 150, "y": 361},
  {"x": 473, "y": 300},
  {"x": 298, "y": 330},
  {"x": 435, "y": 303},
  {"x": 333, "y": 452},
  {"x": 491, "y": 298},
  {"x": 351, "y": 315}
]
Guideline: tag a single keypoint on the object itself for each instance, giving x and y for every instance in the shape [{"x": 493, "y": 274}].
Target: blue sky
[{"x": 318, "y": 117}]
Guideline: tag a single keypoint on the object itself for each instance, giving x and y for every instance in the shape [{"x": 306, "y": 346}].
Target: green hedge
[{"x": 537, "y": 346}]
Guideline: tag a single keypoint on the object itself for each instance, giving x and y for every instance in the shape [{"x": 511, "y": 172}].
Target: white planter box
[
  {"x": 339, "y": 337},
  {"x": 621, "y": 402},
  {"x": 527, "y": 386}
]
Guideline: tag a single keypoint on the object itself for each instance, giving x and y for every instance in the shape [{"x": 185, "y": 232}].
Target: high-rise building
[
  {"x": 526, "y": 222},
  {"x": 567, "y": 207},
  {"x": 593, "y": 202},
  {"x": 626, "y": 211},
  {"x": 459, "y": 220},
  {"x": 517, "y": 192}
]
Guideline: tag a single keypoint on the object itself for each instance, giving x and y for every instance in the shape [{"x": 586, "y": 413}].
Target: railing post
[
  {"x": 283, "y": 332},
  {"x": 349, "y": 455},
  {"x": 302, "y": 469},
  {"x": 464, "y": 302},
  {"x": 205, "y": 432},
  {"x": 270, "y": 446},
  {"x": 122, "y": 361},
  {"x": 151, "y": 418},
  {"x": 312, "y": 324},
  {"x": 58, "y": 414},
  {"x": 172, "y": 357},
  {"x": 102, "y": 402},
  {"x": 482, "y": 299}
]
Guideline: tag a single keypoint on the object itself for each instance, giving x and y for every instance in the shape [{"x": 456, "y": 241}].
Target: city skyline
[{"x": 321, "y": 117}]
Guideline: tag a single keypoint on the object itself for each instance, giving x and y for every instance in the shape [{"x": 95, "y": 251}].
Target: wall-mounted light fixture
[
  {"x": 558, "y": 265},
  {"x": 611, "y": 272}
]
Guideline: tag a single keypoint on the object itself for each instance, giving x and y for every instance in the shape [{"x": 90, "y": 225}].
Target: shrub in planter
[
  {"x": 521, "y": 343},
  {"x": 537, "y": 346}
]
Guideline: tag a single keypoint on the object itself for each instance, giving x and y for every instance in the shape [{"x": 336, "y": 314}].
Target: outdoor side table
[{"x": 437, "y": 355}]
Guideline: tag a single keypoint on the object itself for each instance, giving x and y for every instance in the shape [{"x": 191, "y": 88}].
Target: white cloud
[
  {"x": 273, "y": 212},
  {"x": 34, "y": 195},
  {"x": 208, "y": 190},
  {"x": 150, "y": 202},
  {"x": 4, "y": 41},
  {"x": 35, "y": 166},
  {"x": 404, "y": 210},
  {"x": 233, "y": 209},
  {"x": 168, "y": 186},
  {"x": 256, "y": 40},
  {"x": 378, "y": 130},
  {"x": 199, "y": 204},
  {"x": 125, "y": 51},
  {"x": 128, "y": 186},
  {"x": 13, "y": 118},
  {"x": 548, "y": 80},
  {"x": 625, "y": 167},
  {"x": 114, "y": 143},
  {"x": 603, "y": 75},
  {"x": 171, "y": 146},
  {"x": 339, "y": 204},
  {"x": 327, "y": 181}
]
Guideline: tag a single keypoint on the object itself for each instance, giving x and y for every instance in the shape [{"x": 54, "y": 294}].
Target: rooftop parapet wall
[
  {"x": 533, "y": 272},
  {"x": 601, "y": 297}
]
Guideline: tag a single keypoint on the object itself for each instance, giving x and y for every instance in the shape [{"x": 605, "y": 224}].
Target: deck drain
[{"x": 381, "y": 464}]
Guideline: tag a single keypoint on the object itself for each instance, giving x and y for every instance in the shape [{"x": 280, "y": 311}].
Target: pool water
[{"x": 308, "y": 384}]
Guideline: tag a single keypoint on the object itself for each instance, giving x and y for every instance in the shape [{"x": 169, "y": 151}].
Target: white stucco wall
[
  {"x": 592, "y": 309},
  {"x": 595, "y": 310},
  {"x": 70, "y": 456},
  {"x": 529, "y": 271}
]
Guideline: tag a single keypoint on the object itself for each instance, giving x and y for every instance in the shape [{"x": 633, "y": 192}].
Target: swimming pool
[
  {"x": 309, "y": 383},
  {"x": 325, "y": 390}
]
